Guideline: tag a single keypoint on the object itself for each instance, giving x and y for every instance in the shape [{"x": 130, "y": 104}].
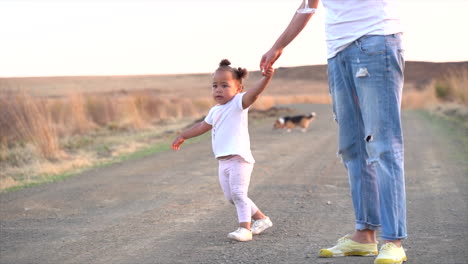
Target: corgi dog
[{"x": 290, "y": 122}]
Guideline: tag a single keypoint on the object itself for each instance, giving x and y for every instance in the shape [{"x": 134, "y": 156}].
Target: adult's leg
[
  {"x": 378, "y": 69},
  {"x": 351, "y": 147}
]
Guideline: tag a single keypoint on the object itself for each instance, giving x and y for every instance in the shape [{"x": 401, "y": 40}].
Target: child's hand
[
  {"x": 177, "y": 142},
  {"x": 269, "y": 72}
]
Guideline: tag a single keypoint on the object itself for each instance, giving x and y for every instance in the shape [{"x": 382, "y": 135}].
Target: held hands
[
  {"x": 267, "y": 61},
  {"x": 268, "y": 72},
  {"x": 177, "y": 142}
]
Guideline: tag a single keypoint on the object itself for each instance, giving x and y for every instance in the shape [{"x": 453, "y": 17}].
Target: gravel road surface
[{"x": 169, "y": 208}]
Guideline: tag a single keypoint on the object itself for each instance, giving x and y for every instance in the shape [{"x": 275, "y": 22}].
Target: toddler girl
[{"x": 231, "y": 143}]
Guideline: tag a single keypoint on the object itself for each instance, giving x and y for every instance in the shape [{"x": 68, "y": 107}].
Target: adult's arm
[{"x": 297, "y": 24}]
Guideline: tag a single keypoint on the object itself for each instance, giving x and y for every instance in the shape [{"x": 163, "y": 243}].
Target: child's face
[{"x": 225, "y": 87}]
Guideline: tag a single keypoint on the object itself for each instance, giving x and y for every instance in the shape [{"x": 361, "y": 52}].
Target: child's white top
[
  {"x": 230, "y": 132},
  {"x": 348, "y": 20}
]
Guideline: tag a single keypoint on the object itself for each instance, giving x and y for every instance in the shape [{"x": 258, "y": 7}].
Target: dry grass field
[{"x": 51, "y": 125}]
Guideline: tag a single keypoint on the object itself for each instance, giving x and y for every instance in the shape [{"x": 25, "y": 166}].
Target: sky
[{"x": 133, "y": 37}]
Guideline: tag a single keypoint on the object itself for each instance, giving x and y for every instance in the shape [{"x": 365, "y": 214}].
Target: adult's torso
[{"x": 348, "y": 20}]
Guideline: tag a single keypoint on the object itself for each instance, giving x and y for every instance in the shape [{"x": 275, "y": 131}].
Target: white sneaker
[
  {"x": 241, "y": 234},
  {"x": 261, "y": 225}
]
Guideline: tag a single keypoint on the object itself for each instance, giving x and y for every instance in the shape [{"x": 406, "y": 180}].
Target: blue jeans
[{"x": 366, "y": 81}]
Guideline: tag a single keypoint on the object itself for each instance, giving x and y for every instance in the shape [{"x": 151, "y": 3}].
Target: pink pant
[{"x": 234, "y": 177}]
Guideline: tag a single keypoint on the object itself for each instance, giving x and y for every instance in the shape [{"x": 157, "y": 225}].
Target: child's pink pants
[{"x": 234, "y": 177}]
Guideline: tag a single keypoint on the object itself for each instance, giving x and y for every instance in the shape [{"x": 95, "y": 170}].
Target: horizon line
[{"x": 192, "y": 73}]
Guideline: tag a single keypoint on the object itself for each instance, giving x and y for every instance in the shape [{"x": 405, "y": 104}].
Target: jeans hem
[
  {"x": 393, "y": 237},
  {"x": 362, "y": 226}
]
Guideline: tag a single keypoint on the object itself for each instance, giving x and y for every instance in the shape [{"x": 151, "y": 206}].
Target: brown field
[
  {"x": 50, "y": 125},
  {"x": 294, "y": 80}
]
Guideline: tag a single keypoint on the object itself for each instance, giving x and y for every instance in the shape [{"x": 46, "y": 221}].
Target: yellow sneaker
[
  {"x": 347, "y": 247},
  {"x": 390, "y": 254}
]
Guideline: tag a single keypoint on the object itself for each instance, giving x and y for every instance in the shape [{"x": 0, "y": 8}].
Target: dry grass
[
  {"x": 46, "y": 129},
  {"x": 27, "y": 119},
  {"x": 42, "y": 121},
  {"x": 453, "y": 86},
  {"x": 268, "y": 101},
  {"x": 49, "y": 135},
  {"x": 449, "y": 87},
  {"x": 418, "y": 98}
]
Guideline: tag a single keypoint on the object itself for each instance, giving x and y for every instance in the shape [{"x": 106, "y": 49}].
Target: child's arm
[
  {"x": 252, "y": 93},
  {"x": 194, "y": 131}
]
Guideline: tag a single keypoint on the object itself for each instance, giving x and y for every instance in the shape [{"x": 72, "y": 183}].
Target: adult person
[{"x": 365, "y": 73}]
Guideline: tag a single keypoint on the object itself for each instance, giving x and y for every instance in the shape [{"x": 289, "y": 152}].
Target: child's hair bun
[
  {"x": 242, "y": 72},
  {"x": 224, "y": 62},
  {"x": 238, "y": 73}
]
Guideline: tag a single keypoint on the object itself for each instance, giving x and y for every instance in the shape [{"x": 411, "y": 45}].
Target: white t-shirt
[
  {"x": 230, "y": 132},
  {"x": 348, "y": 20}
]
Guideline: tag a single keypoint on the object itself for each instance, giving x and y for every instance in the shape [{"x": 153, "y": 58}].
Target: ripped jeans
[{"x": 366, "y": 81}]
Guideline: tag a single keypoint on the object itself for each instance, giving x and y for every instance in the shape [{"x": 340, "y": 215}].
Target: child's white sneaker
[
  {"x": 261, "y": 225},
  {"x": 241, "y": 234}
]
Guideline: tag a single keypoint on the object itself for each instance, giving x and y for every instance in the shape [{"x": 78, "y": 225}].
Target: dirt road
[{"x": 169, "y": 208}]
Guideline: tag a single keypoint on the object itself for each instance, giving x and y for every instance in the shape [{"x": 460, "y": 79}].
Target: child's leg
[
  {"x": 239, "y": 180},
  {"x": 258, "y": 215},
  {"x": 223, "y": 174}
]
